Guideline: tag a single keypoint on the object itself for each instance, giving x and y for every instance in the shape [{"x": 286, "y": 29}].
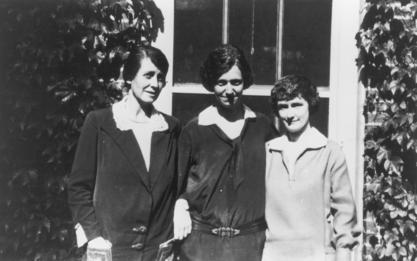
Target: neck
[
  {"x": 138, "y": 108},
  {"x": 294, "y": 137},
  {"x": 232, "y": 114}
]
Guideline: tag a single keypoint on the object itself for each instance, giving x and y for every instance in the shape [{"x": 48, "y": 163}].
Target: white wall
[
  {"x": 165, "y": 42},
  {"x": 346, "y": 124}
]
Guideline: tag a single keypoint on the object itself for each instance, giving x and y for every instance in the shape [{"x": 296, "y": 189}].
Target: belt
[{"x": 252, "y": 227}]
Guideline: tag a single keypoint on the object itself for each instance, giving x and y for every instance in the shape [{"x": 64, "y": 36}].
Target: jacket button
[
  {"x": 138, "y": 246},
  {"x": 140, "y": 229}
]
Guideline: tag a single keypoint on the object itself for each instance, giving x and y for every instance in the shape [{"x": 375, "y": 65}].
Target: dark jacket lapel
[
  {"x": 159, "y": 146},
  {"x": 161, "y": 142},
  {"x": 127, "y": 143}
]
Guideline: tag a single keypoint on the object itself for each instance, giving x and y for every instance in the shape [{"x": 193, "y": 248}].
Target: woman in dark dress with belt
[
  {"x": 220, "y": 210},
  {"x": 121, "y": 187}
]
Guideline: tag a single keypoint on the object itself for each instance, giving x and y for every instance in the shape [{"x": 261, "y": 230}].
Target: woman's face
[
  {"x": 148, "y": 82},
  {"x": 294, "y": 114},
  {"x": 229, "y": 88}
]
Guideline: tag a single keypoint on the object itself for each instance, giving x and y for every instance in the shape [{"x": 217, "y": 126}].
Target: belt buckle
[{"x": 225, "y": 232}]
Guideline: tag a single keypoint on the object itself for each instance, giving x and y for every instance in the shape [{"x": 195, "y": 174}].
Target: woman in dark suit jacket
[{"x": 121, "y": 188}]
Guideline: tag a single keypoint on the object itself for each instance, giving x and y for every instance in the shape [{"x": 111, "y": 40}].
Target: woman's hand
[
  {"x": 99, "y": 243},
  {"x": 182, "y": 219}
]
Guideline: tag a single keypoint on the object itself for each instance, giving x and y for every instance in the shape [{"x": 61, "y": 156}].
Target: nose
[
  {"x": 229, "y": 89},
  {"x": 154, "y": 82},
  {"x": 289, "y": 118}
]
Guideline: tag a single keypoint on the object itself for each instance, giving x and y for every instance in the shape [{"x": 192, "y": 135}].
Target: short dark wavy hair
[
  {"x": 220, "y": 61},
  {"x": 291, "y": 86},
  {"x": 136, "y": 56}
]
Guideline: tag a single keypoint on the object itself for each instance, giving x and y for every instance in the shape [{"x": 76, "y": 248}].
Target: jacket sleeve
[
  {"x": 346, "y": 228},
  {"x": 82, "y": 179},
  {"x": 184, "y": 162}
]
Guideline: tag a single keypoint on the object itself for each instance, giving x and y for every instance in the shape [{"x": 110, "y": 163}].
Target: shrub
[
  {"x": 388, "y": 70},
  {"x": 60, "y": 59}
]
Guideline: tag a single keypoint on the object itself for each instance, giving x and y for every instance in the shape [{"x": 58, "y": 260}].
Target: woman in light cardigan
[{"x": 310, "y": 210}]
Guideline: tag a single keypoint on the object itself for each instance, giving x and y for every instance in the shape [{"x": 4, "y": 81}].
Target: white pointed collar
[
  {"x": 210, "y": 115},
  {"x": 311, "y": 139},
  {"x": 123, "y": 122}
]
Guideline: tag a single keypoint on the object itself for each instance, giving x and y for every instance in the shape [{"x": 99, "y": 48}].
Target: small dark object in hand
[{"x": 165, "y": 251}]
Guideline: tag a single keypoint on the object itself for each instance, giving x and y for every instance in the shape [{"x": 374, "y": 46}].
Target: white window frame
[{"x": 256, "y": 89}]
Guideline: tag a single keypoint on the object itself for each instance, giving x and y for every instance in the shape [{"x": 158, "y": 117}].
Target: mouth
[
  {"x": 290, "y": 121},
  {"x": 229, "y": 98},
  {"x": 151, "y": 93}
]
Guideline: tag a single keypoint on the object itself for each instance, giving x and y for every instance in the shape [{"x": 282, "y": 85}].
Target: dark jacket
[
  {"x": 223, "y": 181},
  {"x": 111, "y": 194}
]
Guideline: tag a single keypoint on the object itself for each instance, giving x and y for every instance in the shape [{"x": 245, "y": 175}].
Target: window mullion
[
  {"x": 225, "y": 23},
  {"x": 280, "y": 28}
]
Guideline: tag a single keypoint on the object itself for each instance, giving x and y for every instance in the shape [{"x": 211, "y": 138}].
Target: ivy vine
[
  {"x": 59, "y": 60},
  {"x": 387, "y": 60}
]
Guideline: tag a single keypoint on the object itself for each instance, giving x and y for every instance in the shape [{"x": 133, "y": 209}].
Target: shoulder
[
  {"x": 191, "y": 124},
  {"x": 262, "y": 119},
  {"x": 333, "y": 146},
  {"x": 100, "y": 113},
  {"x": 173, "y": 122},
  {"x": 335, "y": 151},
  {"x": 191, "y": 130},
  {"x": 277, "y": 143},
  {"x": 261, "y": 116},
  {"x": 96, "y": 117},
  {"x": 265, "y": 124}
]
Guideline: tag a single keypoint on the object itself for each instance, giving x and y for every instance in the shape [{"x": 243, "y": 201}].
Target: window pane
[
  {"x": 198, "y": 29},
  {"x": 261, "y": 29},
  {"x": 187, "y": 106},
  {"x": 306, "y": 39}
]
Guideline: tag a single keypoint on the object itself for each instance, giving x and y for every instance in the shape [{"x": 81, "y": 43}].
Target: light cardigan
[{"x": 310, "y": 212}]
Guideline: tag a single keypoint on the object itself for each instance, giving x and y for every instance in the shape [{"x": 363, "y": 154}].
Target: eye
[
  {"x": 161, "y": 78},
  {"x": 295, "y": 105},
  {"x": 149, "y": 75},
  {"x": 282, "y": 106},
  {"x": 221, "y": 82},
  {"x": 236, "y": 82}
]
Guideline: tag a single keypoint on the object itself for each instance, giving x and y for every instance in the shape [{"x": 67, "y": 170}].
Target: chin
[
  {"x": 148, "y": 100},
  {"x": 294, "y": 130}
]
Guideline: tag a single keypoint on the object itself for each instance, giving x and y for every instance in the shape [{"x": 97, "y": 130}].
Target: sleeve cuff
[{"x": 80, "y": 235}]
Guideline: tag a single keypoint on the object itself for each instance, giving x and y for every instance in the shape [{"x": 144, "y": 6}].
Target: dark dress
[
  {"x": 223, "y": 181},
  {"x": 111, "y": 193}
]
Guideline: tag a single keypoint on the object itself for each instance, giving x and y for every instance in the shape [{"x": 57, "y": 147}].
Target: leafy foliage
[
  {"x": 59, "y": 60},
  {"x": 388, "y": 70}
]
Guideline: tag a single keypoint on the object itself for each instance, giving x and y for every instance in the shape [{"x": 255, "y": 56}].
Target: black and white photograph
[{"x": 208, "y": 130}]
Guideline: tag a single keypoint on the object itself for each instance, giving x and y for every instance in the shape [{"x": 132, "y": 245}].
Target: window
[{"x": 278, "y": 37}]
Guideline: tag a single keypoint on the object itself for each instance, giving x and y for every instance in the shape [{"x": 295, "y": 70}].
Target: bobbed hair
[
  {"x": 137, "y": 55},
  {"x": 292, "y": 86},
  {"x": 220, "y": 61}
]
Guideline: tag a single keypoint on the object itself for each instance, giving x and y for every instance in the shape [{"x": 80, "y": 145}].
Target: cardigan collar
[
  {"x": 210, "y": 116},
  {"x": 311, "y": 139}
]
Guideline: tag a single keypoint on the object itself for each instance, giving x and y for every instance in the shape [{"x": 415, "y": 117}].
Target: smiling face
[
  {"x": 148, "y": 82},
  {"x": 295, "y": 115},
  {"x": 229, "y": 87}
]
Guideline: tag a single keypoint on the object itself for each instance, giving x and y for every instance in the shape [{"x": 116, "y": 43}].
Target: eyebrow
[{"x": 289, "y": 104}]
